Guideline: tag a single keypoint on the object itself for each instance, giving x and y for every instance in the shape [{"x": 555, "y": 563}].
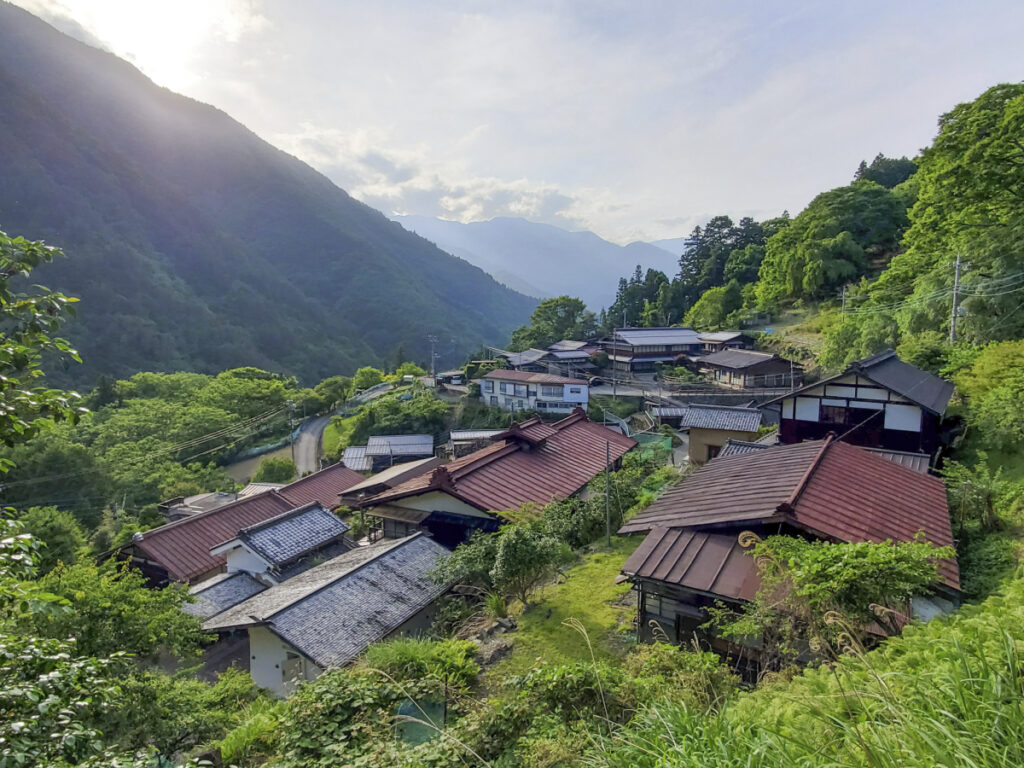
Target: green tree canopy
[
  {"x": 367, "y": 377},
  {"x": 969, "y": 200},
  {"x": 831, "y": 242},
  {"x": 714, "y": 307},
  {"x": 59, "y": 532},
  {"x": 563, "y": 317},
  {"x": 887, "y": 171},
  {"x": 275, "y": 470}
]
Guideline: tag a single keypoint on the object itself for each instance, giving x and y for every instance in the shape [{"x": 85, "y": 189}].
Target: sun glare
[{"x": 166, "y": 40}]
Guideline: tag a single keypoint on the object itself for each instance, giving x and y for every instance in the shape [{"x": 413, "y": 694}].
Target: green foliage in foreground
[{"x": 947, "y": 693}]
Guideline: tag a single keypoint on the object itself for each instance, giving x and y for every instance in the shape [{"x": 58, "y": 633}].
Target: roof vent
[{"x": 136, "y": 536}]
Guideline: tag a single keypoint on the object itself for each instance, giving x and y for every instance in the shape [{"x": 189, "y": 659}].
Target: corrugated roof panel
[{"x": 324, "y": 486}]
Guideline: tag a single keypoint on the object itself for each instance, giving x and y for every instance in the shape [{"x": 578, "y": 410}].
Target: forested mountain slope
[{"x": 193, "y": 244}]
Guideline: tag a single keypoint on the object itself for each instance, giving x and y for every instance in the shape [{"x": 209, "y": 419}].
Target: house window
[
  {"x": 503, "y": 387},
  {"x": 494, "y": 399},
  {"x": 488, "y": 386},
  {"x": 520, "y": 390},
  {"x": 520, "y": 404},
  {"x": 293, "y": 668},
  {"x": 713, "y": 450},
  {"x": 832, "y": 414},
  {"x": 656, "y": 605},
  {"x": 575, "y": 390},
  {"x": 551, "y": 391}
]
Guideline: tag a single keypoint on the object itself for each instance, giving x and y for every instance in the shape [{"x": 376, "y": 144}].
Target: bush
[
  {"x": 275, "y": 470},
  {"x": 413, "y": 658}
]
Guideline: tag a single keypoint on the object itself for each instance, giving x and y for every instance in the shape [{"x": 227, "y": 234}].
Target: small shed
[{"x": 746, "y": 369}]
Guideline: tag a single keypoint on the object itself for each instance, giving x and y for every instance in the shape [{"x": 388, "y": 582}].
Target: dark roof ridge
[
  {"x": 343, "y": 574},
  {"x": 789, "y": 505},
  {"x": 720, "y": 407},
  {"x": 277, "y": 518},
  {"x": 578, "y": 414},
  {"x": 210, "y": 512},
  {"x": 482, "y": 461},
  {"x": 873, "y": 360}
]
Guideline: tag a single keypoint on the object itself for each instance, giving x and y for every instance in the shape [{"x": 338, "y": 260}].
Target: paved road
[{"x": 307, "y": 445}]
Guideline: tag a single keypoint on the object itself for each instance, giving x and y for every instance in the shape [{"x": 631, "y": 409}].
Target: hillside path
[{"x": 307, "y": 445}]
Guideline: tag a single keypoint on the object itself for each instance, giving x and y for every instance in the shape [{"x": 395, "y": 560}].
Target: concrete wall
[{"x": 702, "y": 439}]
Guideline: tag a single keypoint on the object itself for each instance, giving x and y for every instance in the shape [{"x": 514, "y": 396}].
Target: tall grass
[
  {"x": 947, "y": 694},
  {"x": 253, "y": 739}
]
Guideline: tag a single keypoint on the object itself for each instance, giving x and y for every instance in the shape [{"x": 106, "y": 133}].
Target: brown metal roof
[
  {"x": 182, "y": 548},
  {"x": 829, "y": 489},
  {"x": 749, "y": 486},
  {"x": 713, "y": 563},
  {"x": 324, "y": 486},
  {"x": 533, "y": 462}
]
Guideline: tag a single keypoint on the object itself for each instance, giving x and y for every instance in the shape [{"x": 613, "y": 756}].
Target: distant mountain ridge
[
  {"x": 195, "y": 245},
  {"x": 543, "y": 260}
]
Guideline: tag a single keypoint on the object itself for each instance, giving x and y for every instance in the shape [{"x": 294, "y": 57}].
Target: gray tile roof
[
  {"x": 737, "y": 359},
  {"x": 331, "y": 613},
  {"x": 922, "y": 387},
  {"x": 355, "y": 458},
  {"x": 713, "y": 417},
  {"x": 297, "y": 532},
  {"x": 721, "y": 335},
  {"x": 650, "y": 336},
  {"x": 525, "y": 357},
  {"x": 736, "y": 447},
  {"x": 221, "y": 592},
  {"x": 400, "y": 445},
  {"x": 253, "y": 488}
]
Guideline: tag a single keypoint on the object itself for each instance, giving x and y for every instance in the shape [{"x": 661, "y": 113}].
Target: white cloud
[{"x": 636, "y": 121}]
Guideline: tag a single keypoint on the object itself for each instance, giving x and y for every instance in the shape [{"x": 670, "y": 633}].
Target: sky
[{"x": 635, "y": 120}]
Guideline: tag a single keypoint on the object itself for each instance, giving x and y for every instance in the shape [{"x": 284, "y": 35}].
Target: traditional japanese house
[
  {"x": 641, "y": 350},
  {"x": 881, "y": 402},
  {"x": 692, "y": 557},
  {"x": 710, "y": 427},
  {"x": 529, "y": 463},
  {"x": 746, "y": 369}
]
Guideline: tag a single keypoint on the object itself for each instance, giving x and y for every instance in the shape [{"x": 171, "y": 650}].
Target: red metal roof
[
  {"x": 531, "y": 378},
  {"x": 324, "y": 486},
  {"x": 830, "y": 489},
  {"x": 713, "y": 563},
  {"x": 182, "y": 548},
  {"x": 532, "y": 462}
]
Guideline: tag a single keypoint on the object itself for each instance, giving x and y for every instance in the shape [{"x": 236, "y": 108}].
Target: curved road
[{"x": 307, "y": 445}]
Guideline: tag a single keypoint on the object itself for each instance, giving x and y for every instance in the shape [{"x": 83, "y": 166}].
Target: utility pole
[
  {"x": 956, "y": 296},
  {"x": 607, "y": 491},
  {"x": 433, "y": 340},
  {"x": 291, "y": 427},
  {"x": 844, "y": 298}
]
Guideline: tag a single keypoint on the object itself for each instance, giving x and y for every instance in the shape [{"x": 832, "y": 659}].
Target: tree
[
  {"x": 113, "y": 609},
  {"x": 334, "y": 390},
  {"x": 563, "y": 317},
  {"x": 29, "y": 320},
  {"x": 367, "y": 377},
  {"x": 830, "y": 242},
  {"x": 59, "y": 532},
  {"x": 408, "y": 369},
  {"x": 811, "y": 593},
  {"x": 525, "y": 558},
  {"x": 969, "y": 199},
  {"x": 275, "y": 470},
  {"x": 887, "y": 171},
  {"x": 713, "y": 308}
]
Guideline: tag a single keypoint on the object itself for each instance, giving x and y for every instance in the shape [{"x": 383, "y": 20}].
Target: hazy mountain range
[
  {"x": 542, "y": 260},
  {"x": 193, "y": 244}
]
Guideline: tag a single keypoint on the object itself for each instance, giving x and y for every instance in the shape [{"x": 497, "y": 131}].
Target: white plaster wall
[
  {"x": 241, "y": 559},
  {"x": 578, "y": 397},
  {"x": 266, "y": 659},
  {"x": 903, "y": 417},
  {"x": 438, "y": 501}
]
